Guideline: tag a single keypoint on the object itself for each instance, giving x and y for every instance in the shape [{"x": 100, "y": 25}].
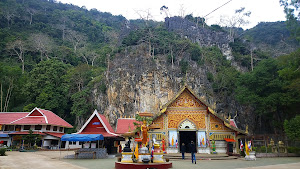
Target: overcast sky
[{"x": 262, "y": 10}]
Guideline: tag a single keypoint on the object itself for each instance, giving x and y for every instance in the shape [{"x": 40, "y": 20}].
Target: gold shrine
[{"x": 187, "y": 118}]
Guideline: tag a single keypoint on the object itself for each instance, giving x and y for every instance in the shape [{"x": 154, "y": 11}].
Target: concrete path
[
  {"x": 54, "y": 160},
  {"x": 278, "y": 166},
  {"x": 34, "y": 160}
]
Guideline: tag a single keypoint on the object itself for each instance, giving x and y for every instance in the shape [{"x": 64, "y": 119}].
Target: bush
[
  {"x": 2, "y": 151},
  {"x": 293, "y": 150},
  {"x": 184, "y": 66},
  {"x": 210, "y": 77}
]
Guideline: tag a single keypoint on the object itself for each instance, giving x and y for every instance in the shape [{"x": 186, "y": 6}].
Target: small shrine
[{"x": 145, "y": 153}]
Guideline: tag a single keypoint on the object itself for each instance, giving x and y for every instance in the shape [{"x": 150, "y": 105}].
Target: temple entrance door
[{"x": 186, "y": 137}]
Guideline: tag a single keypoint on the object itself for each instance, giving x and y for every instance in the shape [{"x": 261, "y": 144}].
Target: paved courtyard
[{"x": 54, "y": 160}]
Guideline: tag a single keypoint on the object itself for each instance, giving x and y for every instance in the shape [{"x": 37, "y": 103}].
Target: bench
[{"x": 78, "y": 152}]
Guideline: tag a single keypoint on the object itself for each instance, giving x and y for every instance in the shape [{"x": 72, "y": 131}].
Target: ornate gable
[{"x": 186, "y": 99}]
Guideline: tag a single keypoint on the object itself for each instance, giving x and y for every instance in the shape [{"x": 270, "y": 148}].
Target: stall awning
[
  {"x": 4, "y": 135},
  {"x": 82, "y": 137},
  {"x": 229, "y": 140}
]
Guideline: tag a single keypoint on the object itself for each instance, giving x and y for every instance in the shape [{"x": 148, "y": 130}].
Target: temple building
[{"x": 187, "y": 118}]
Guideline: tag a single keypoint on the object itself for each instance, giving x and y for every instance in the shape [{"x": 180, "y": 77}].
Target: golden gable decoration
[
  {"x": 175, "y": 117},
  {"x": 185, "y": 100}
]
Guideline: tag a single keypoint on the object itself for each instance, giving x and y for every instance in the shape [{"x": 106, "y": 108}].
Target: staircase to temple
[{"x": 177, "y": 156}]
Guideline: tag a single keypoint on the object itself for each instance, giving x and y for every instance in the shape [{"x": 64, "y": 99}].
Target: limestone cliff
[
  {"x": 201, "y": 35},
  {"x": 137, "y": 82}
]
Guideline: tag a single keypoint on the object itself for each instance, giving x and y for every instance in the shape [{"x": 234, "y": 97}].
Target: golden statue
[{"x": 144, "y": 130}]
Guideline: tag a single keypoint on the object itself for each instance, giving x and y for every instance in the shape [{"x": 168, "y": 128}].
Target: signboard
[{"x": 96, "y": 123}]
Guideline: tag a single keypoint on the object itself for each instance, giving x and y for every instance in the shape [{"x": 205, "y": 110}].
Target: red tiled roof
[
  {"x": 123, "y": 125},
  {"x": 54, "y": 119},
  {"x": 26, "y": 132},
  {"x": 106, "y": 123},
  {"x": 8, "y": 117},
  {"x": 55, "y": 134},
  {"x": 105, "y": 134},
  {"x": 37, "y": 116},
  {"x": 30, "y": 120}
]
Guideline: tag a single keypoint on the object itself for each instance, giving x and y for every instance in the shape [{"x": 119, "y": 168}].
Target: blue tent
[{"x": 82, "y": 137}]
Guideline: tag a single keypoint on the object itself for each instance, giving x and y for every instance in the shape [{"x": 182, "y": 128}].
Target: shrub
[
  {"x": 2, "y": 151},
  {"x": 293, "y": 150},
  {"x": 210, "y": 77},
  {"x": 184, "y": 66}
]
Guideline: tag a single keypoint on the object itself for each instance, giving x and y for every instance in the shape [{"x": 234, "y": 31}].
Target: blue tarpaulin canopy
[
  {"x": 82, "y": 137},
  {"x": 4, "y": 135}
]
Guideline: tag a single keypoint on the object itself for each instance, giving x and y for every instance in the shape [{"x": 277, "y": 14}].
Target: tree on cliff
[
  {"x": 291, "y": 9},
  {"x": 236, "y": 21}
]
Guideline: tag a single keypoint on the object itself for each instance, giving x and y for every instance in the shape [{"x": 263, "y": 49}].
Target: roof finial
[
  {"x": 229, "y": 117},
  {"x": 129, "y": 128},
  {"x": 235, "y": 115}
]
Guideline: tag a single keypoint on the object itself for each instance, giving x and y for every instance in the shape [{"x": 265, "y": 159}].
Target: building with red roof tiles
[
  {"x": 98, "y": 124},
  {"x": 125, "y": 125},
  {"x": 42, "y": 122}
]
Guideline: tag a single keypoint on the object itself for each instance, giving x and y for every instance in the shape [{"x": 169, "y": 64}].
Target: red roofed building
[
  {"x": 98, "y": 124},
  {"x": 42, "y": 122},
  {"x": 126, "y": 124}
]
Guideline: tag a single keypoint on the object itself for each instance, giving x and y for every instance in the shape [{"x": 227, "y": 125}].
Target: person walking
[
  {"x": 193, "y": 151},
  {"x": 183, "y": 149}
]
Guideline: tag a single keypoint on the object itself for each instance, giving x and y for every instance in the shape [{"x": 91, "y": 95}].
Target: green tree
[
  {"x": 291, "y": 9},
  {"x": 47, "y": 86},
  {"x": 31, "y": 138},
  {"x": 10, "y": 76},
  {"x": 292, "y": 128}
]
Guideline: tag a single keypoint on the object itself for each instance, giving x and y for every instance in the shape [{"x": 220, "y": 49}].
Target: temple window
[{"x": 54, "y": 128}]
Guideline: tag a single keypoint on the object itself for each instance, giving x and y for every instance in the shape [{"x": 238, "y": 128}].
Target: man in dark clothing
[
  {"x": 182, "y": 150},
  {"x": 193, "y": 151}
]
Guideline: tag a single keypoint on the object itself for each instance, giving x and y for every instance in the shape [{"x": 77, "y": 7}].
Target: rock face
[
  {"x": 137, "y": 82},
  {"x": 203, "y": 36}
]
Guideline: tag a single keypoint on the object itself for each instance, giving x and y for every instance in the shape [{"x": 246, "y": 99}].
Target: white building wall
[
  {"x": 205, "y": 150},
  {"x": 221, "y": 146},
  {"x": 72, "y": 145}
]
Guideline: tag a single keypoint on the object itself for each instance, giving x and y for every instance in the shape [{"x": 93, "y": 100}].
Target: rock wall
[
  {"x": 137, "y": 82},
  {"x": 202, "y": 35}
]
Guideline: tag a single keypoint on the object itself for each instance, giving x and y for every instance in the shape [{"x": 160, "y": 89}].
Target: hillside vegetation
[{"x": 60, "y": 57}]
